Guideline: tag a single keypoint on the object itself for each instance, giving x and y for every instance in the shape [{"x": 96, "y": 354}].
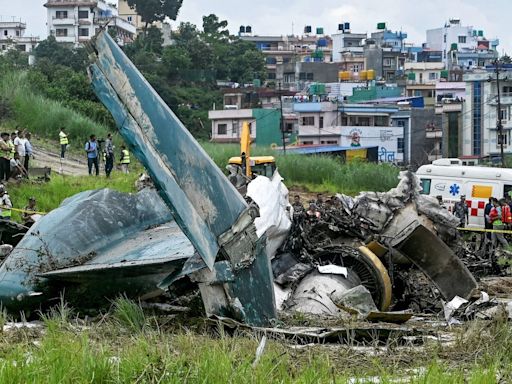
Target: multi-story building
[
  {"x": 454, "y": 37},
  {"x": 351, "y": 125},
  {"x": 77, "y": 21},
  {"x": 262, "y": 109},
  {"x": 346, "y": 42},
  {"x": 130, "y": 15},
  {"x": 12, "y": 36},
  {"x": 422, "y": 79},
  {"x": 480, "y": 138},
  {"x": 289, "y": 50},
  {"x": 389, "y": 39}
]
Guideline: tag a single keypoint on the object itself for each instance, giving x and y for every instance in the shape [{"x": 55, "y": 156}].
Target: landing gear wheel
[{"x": 367, "y": 266}]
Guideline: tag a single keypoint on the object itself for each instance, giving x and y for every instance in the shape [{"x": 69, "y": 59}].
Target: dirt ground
[{"x": 70, "y": 166}]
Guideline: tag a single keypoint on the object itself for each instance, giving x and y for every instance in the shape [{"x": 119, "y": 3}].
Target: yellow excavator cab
[
  {"x": 259, "y": 165},
  {"x": 252, "y": 166}
]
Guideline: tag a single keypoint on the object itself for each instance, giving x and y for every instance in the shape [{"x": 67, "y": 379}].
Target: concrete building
[
  {"x": 351, "y": 125},
  {"x": 77, "y": 21},
  {"x": 265, "y": 126},
  {"x": 386, "y": 38},
  {"x": 294, "y": 76},
  {"x": 12, "y": 36},
  {"x": 290, "y": 50},
  {"x": 454, "y": 37},
  {"x": 346, "y": 42},
  {"x": 480, "y": 137},
  {"x": 130, "y": 15},
  {"x": 422, "y": 79}
]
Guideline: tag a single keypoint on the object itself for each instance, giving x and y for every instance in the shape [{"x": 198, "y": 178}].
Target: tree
[
  {"x": 506, "y": 59},
  {"x": 213, "y": 29},
  {"x": 155, "y": 10}
]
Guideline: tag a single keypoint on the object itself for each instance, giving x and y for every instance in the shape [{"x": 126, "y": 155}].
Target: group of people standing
[
  {"x": 497, "y": 217},
  {"x": 93, "y": 150},
  {"x": 15, "y": 153}
]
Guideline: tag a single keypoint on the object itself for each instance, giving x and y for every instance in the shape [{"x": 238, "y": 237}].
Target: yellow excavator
[{"x": 252, "y": 166}]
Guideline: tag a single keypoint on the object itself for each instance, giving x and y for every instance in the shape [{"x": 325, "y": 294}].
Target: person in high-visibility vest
[
  {"x": 125, "y": 159},
  {"x": 5, "y": 203},
  {"x": 63, "y": 137}
]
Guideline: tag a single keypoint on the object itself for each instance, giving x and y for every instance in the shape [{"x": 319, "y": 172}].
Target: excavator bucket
[{"x": 206, "y": 206}]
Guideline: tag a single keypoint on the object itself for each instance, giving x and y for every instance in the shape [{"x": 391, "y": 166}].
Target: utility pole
[
  {"x": 282, "y": 119},
  {"x": 501, "y": 137}
]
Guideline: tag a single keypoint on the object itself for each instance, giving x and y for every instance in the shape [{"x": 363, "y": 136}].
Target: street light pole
[
  {"x": 500, "y": 125},
  {"x": 282, "y": 119}
]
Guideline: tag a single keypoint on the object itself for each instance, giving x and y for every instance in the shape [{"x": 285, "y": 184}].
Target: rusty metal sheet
[
  {"x": 204, "y": 203},
  {"x": 439, "y": 263}
]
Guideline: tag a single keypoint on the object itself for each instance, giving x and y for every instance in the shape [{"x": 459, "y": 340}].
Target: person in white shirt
[
  {"x": 17, "y": 169},
  {"x": 19, "y": 144}
]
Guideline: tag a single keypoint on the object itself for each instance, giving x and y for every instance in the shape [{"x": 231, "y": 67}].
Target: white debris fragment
[
  {"x": 271, "y": 196},
  {"x": 259, "y": 351},
  {"x": 332, "y": 269},
  {"x": 451, "y": 307}
]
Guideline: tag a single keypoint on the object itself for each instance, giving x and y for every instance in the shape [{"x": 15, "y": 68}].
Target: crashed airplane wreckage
[{"x": 246, "y": 255}]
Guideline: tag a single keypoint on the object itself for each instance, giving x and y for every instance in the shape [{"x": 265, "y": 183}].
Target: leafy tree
[
  {"x": 506, "y": 59},
  {"x": 155, "y": 10},
  {"x": 60, "y": 54},
  {"x": 213, "y": 29}
]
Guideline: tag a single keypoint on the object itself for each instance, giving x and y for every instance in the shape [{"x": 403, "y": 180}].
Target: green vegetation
[
  {"x": 317, "y": 173},
  {"x": 50, "y": 195},
  {"x": 157, "y": 350},
  {"x": 40, "y": 115}
]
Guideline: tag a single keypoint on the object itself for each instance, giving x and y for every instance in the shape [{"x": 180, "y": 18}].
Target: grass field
[
  {"x": 50, "y": 195},
  {"x": 129, "y": 346},
  {"x": 317, "y": 173}
]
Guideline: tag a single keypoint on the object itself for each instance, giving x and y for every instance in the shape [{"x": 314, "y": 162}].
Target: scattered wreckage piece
[
  {"x": 207, "y": 207},
  {"x": 400, "y": 228},
  {"x": 95, "y": 246},
  {"x": 352, "y": 333}
]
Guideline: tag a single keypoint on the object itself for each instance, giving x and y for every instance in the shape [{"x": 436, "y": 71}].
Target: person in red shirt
[{"x": 506, "y": 214}]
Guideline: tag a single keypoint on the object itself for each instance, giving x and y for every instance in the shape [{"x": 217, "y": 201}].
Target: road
[{"x": 70, "y": 166}]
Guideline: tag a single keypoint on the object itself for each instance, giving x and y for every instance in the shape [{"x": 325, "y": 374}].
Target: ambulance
[{"x": 450, "y": 179}]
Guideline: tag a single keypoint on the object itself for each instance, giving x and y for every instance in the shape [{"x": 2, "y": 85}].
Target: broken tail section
[{"x": 206, "y": 206}]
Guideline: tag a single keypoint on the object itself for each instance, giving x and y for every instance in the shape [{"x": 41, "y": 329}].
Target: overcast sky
[{"x": 278, "y": 16}]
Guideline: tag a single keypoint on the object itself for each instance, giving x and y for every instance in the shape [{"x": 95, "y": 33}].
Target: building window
[
  {"x": 235, "y": 128},
  {"x": 381, "y": 121},
  {"x": 507, "y": 90},
  {"x": 83, "y": 14},
  {"x": 61, "y": 32},
  {"x": 5, "y": 32},
  {"x": 271, "y": 60},
  {"x": 130, "y": 19},
  {"x": 307, "y": 143},
  {"x": 363, "y": 121},
  {"x": 400, "y": 144},
  {"x": 504, "y": 114},
  {"x": 4, "y": 47},
  {"x": 321, "y": 122},
  {"x": 310, "y": 76},
  {"x": 502, "y": 139},
  {"x": 444, "y": 38},
  {"x": 17, "y": 33},
  {"x": 387, "y": 62},
  {"x": 222, "y": 129},
  {"x": 462, "y": 39},
  {"x": 61, "y": 14},
  {"x": 355, "y": 68},
  {"x": 432, "y": 76},
  {"x": 308, "y": 120},
  {"x": 83, "y": 32},
  {"x": 271, "y": 76}
]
